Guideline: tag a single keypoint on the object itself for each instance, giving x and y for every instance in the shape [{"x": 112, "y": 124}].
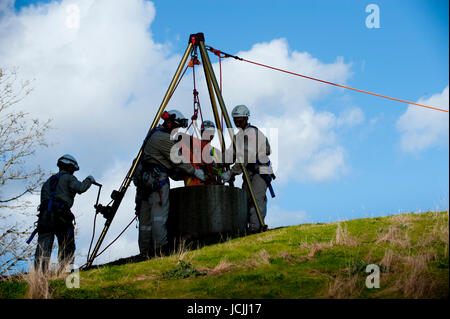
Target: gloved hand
[
  {"x": 226, "y": 176},
  {"x": 200, "y": 174},
  {"x": 91, "y": 178}
]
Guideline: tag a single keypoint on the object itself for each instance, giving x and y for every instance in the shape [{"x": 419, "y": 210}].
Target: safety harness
[
  {"x": 266, "y": 177},
  {"x": 54, "y": 180},
  {"x": 47, "y": 215},
  {"x": 155, "y": 169}
]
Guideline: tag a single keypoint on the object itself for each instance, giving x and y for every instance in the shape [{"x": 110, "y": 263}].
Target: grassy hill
[{"x": 305, "y": 261}]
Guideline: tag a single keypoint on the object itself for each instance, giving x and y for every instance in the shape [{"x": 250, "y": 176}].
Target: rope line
[
  {"x": 116, "y": 237},
  {"x": 135, "y": 217},
  {"x": 327, "y": 82},
  {"x": 345, "y": 87}
]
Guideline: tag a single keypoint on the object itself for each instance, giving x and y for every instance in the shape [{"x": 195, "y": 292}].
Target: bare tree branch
[{"x": 20, "y": 137}]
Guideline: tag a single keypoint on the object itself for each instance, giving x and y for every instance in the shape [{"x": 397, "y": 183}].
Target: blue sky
[{"x": 375, "y": 175}]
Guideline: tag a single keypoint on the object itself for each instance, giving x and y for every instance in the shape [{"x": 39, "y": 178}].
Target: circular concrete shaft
[{"x": 207, "y": 212}]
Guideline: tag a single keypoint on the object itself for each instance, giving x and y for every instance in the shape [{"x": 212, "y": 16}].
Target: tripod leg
[
  {"x": 126, "y": 182},
  {"x": 208, "y": 68}
]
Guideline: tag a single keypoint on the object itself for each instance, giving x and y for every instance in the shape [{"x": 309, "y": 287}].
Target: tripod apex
[{"x": 196, "y": 38}]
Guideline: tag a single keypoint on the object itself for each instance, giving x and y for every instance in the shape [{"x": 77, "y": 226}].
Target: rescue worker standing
[
  {"x": 55, "y": 218},
  {"x": 253, "y": 151},
  {"x": 157, "y": 166}
]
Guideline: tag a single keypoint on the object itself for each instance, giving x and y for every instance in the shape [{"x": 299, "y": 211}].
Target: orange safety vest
[{"x": 199, "y": 164}]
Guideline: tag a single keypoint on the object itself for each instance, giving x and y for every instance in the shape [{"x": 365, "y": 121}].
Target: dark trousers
[{"x": 66, "y": 247}]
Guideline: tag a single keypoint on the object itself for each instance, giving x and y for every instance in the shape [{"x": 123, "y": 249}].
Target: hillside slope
[{"x": 305, "y": 261}]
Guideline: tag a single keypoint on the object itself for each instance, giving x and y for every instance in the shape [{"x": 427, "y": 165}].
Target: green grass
[{"x": 305, "y": 261}]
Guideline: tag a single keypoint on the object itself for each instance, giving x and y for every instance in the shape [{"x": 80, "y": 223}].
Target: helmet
[
  {"x": 208, "y": 125},
  {"x": 175, "y": 116},
  {"x": 68, "y": 160},
  {"x": 240, "y": 111}
]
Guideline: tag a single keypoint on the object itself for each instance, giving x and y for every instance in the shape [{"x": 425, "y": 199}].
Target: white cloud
[
  {"x": 306, "y": 147},
  {"x": 266, "y": 90},
  {"x": 84, "y": 77},
  {"x": 351, "y": 117},
  {"x": 423, "y": 128}
]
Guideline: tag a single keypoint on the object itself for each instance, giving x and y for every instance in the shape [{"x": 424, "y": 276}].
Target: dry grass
[
  {"x": 146, "y": 277},
  {"x": 38, "y": 281},
  {"x": 288, "y": 257},
  {"x": 440, "y": 230},
  {"x": 264, "y": 256},
  {"x": 229, "y": 243},
  {"x": 406, "y": 272},
  {"x": 315, "y": 248},
  {"x": 259, "y": 259},
  {"x": 221, "y": 267},
  {"x": 417, "y": 283},
  {"x": 438, "y": 233},
  {"x": 394, "y": 236},
  {"x": 343, "y": 237},
  {"x": 266, "y": 238},
  {"x": 343, "y": 287},
  {"x": 404, "y": 219},
  {"x": 181, "y": 250},
  {"x": 388, "y": 259},
  {"x": 414, "y": 280}
]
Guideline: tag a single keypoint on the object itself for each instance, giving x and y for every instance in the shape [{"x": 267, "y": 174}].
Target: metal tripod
[{"x": 195, "y": 41}]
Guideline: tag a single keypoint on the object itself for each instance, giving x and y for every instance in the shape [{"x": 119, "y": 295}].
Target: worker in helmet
[
  {"x": 158, "y": 165},
  {"x": 203, "y": 155},
  {"x": 252, "y": 150},
  {"x": 55, "y": 218}
]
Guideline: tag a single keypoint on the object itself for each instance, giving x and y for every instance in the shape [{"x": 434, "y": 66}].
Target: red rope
[
  {"x": 218, "y": 52},
  {"x": 197, "y": 106},
  {"x": 343, "y": 86}
]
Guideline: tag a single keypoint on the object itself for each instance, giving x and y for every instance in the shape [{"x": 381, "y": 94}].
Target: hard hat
[
  {"x": 240, "y": 111},
  {"x": 68, "y": 160},
  {"x": 175, "y": 116},
  {"x": 208, "y": 125}
]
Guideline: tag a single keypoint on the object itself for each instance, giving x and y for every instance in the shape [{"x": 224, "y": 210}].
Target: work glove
[
  {"x": 91, "y": 178},
  {"x": 200, "y": 174},
  {"x": 226, "y": 176}
]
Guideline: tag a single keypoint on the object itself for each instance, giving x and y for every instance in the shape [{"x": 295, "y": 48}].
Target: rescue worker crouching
[
  {"x": 55, "y": 218},
  {"x": 253, "y": 150},
  {"x": 152, "y": 194}
]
